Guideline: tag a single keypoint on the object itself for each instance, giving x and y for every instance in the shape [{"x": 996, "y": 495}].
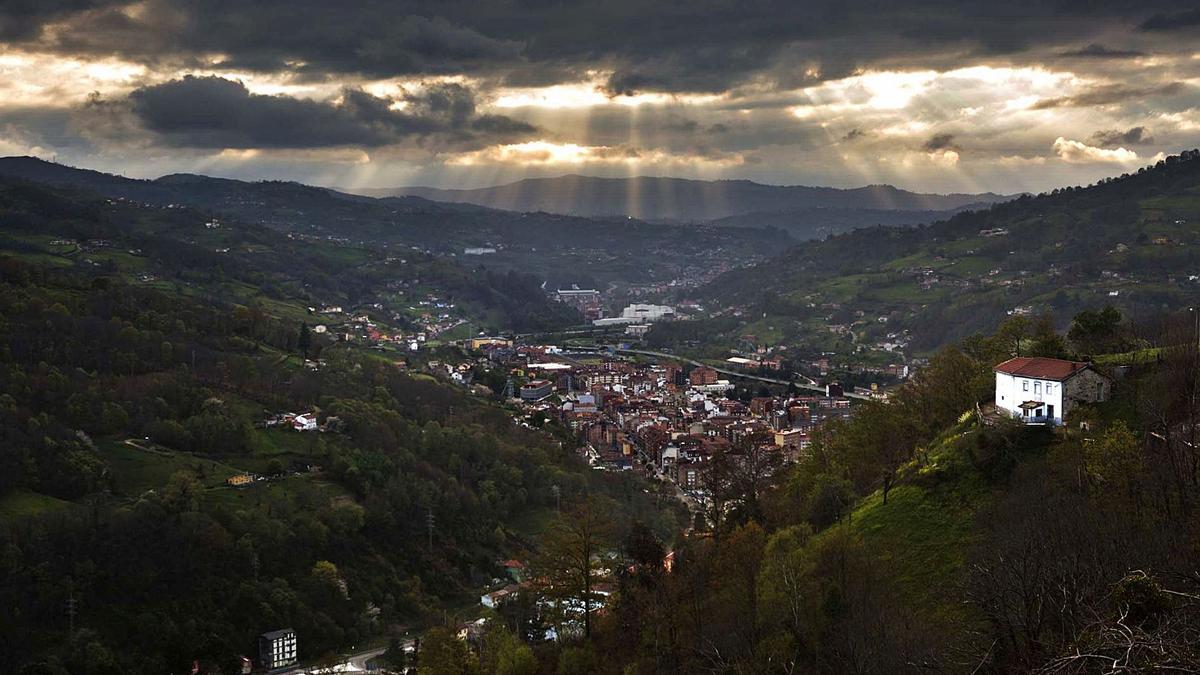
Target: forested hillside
[
  {"x": 557, "y": 248},
  {"x": 141, "y": 357},
  {"x": 928, "y": 534},
  {"x": 1130, "y": 241},
  {"x": 193, "y": 252}
]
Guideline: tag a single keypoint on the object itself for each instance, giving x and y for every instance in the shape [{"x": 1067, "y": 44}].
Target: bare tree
[
  {"x": 569, "y": 563},
  {"x": 1150, "y": 629}
]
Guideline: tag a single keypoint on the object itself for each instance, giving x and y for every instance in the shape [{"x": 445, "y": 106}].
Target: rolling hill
[
  {"x": 559, "y": 249},
  {"x": 678, "y": 199},
  {"x": 188, "y": 251},
  {"x": 1132, "y": 241}
]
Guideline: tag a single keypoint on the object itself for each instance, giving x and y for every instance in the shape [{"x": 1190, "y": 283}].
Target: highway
[{"x": 724, "y": 371}]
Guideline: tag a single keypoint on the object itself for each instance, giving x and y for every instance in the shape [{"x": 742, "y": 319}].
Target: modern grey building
[{"x": 277, "y": 648}]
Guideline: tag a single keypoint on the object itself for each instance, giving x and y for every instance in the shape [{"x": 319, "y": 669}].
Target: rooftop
[{"x": 1041, "y": 368}]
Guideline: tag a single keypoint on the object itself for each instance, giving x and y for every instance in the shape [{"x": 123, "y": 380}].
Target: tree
[
  {"x": 1113, "y": 462},
  {"x": 519, "y": 660},
  {"x": 645, "y": 550},
  {"x": 502, "y": 653},
  {"x": 1098, "y": 332},
  {"x": 789, "y": 593},
  {"x": 182, "y": 492},
  {"x": 1046, "y": 341},
  {"x": 581, "y": 660},
  {"x": 717, "y": 489},
  {"x": 396, "y": 656},
  {"x": 878, "y": 441},
  {"x": 1011, "y": 333},
  {"x": 754, "y": 469},
  {"x": 442, "y": 653},
  {"x": 304, "y": 340},
  {"x": 570, "y": 563}
]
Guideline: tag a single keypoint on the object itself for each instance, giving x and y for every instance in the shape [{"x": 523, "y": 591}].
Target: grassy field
[
  {"x": 1129, "y": 358},
  {"x": 908, "y": 292},
  {"x": 768, "y": 331},
  {"x": 970, "y": 267},
  {"x": 285, "y": 445},
  {"x": 925, "y": 531},
  {"x": 459, "y": 332},
  {"x": 136, "y": 470},
  {"x": 298, "y": 489},
  {"x": 41, "y": 258},
  {"x": 22, "y": 503},
  {"x": 844, "y": 289},
  {"x": 923, "y": 537}
]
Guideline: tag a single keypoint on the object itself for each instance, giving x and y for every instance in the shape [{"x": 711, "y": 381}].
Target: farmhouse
[{"x": 1043, "y": 391}]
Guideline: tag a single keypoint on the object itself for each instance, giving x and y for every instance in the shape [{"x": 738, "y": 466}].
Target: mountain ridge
[
  {"x": 686, "y": 199},
  {"x": 562, "y": 249},
  {"x": 1129, "y": 241}
]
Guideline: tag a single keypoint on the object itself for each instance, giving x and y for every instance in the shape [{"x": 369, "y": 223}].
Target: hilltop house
[{"x": 1039, "y": 390}]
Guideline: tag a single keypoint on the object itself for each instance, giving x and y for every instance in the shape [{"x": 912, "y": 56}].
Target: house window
[
  {"x": 1024, "y": 385},
  {"x": 1049, "y": 388},
  {"x": 1037, "y": 387}
]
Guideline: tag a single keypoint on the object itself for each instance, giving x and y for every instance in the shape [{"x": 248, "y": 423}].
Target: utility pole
[
  {"x": 72, "y": 607},
  {"x": 429, "y": 520}
]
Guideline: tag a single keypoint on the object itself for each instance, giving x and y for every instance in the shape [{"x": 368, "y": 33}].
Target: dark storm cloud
[
  {"x": 667, "y": 45},
  {"x": 23, "y": 19},
  {"x": 313, "y": 38},
  {"x": 212, "y": 112},
  {"x": 940, "y": 142},
  {"x": 1172, "y": 21},
  {"x": 1108, "y": 94},
  {"x": 1112, "y": 138},
  {"x": 1096, "y": 50}
]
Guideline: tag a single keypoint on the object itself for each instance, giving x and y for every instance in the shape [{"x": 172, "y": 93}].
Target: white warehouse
[
  {"x": 637, "y": 313},
  {"x": 1039, "y": 390}
]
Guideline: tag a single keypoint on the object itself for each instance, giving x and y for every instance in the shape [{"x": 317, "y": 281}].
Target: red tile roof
[{"x": 1041, "y": 368}]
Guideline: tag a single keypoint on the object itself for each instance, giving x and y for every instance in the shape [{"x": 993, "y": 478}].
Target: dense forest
[
  {"x": 250, "y": 263},
  {"x": 123, "y": 409}
]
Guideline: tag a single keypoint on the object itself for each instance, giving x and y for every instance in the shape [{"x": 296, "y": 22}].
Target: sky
[{"x": 947, "y": 96}]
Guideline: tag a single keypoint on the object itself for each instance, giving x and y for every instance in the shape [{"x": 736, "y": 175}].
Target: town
[{"x": 599, "y": 338}]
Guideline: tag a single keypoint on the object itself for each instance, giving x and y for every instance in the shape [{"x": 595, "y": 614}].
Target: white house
[
  {"x": 1043, "y": 391},
  {"x": 305, "y": 422}
]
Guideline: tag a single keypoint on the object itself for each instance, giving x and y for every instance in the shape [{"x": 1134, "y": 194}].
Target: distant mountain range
[
  {"x": 678, "y": 199},
  {"x": 560, "y": 249},
  {"x": 430, "y": 216}
]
